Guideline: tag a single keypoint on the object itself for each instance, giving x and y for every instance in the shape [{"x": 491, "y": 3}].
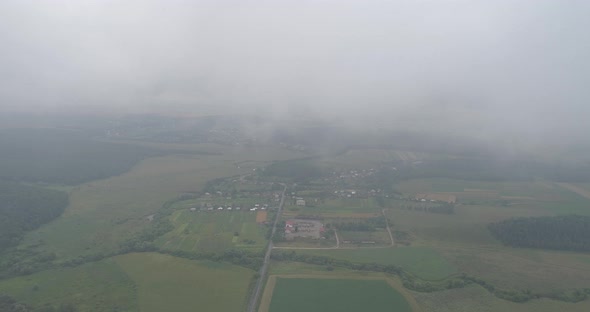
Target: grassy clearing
[
  {"x": 312, "y": 294},
  {"x": 477, "y": 299},
  {"x": 378, "y": 238},
  {"x": 213, "y": 231},
  {"x": 100, "y": 286},
  {"x": 423, "y": 262},
  {"x": 166, "y": 283}
]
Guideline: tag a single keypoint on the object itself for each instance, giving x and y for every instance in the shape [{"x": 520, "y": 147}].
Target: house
[
  {"x": 193, "y": 209},
  {"x": 220, "y": 208},
  {"x": 229, "y": 208},
  {"x": 300, "y": 202}
]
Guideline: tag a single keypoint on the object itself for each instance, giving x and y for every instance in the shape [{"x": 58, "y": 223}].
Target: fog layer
[{"x": 491, "y": 66}]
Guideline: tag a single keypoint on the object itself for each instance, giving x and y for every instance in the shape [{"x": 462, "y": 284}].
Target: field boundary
[{"x": 395, "y": 284}]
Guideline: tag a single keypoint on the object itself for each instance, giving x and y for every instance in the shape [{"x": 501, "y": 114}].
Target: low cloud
[{"x": 491, "y": 66}]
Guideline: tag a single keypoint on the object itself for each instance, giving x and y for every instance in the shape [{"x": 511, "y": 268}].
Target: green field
[
  {"x": 99, "y": 286},
  {"x": 137, "y": 282},
  {"x": 213, "y": 231},
  {"x": 423, "y": 262},
  {"x": 379, "y": 237},
  {"x": 166, "y": 283},
  {"x": 342, "y": 295}
]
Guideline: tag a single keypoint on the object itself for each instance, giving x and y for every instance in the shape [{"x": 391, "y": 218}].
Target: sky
[{"x": 491, "y": 66}]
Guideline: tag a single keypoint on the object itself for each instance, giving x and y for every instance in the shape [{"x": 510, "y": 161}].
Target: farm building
[
  {"x": 303, "y": 228},
  {"x": 300, "y": 202}
]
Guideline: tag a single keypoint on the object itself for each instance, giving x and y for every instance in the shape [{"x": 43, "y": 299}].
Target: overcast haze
[{"x": 489, "y": 65}]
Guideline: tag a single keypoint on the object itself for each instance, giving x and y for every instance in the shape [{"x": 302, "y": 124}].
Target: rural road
[
  {"x": 388, "y": 229},
  {"x": 264, "y": 269}
]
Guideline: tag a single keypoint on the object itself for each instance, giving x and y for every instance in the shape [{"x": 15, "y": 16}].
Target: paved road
[{"x": 264, "y": 269}]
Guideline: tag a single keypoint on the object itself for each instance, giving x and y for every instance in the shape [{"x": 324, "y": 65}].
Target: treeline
[
  {"x": 570, "y": 232},
  {"x": 9, "y": 304},
  {"x": 24, "y": 208},
  {"x": 65, "y": 157},
  {"x": 413, "y": 283}
]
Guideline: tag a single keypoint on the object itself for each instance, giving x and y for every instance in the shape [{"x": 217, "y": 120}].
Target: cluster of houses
[
  {"x": 436, "y": 197},
  {"x": 355, "y": 173},
  {"x": 346, "y": 193},
  {"x": 210, "y": 207},
  {"x": 357, "y": 193}
]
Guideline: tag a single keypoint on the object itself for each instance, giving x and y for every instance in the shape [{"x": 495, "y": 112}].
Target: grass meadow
[
  {"x": 101, "y": 286},
  {"x": 137, "y": 282}
]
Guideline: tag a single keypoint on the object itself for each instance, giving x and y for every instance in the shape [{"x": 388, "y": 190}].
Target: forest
[
  {"x": 9, "y": 304},
  {"x": 571, "y": 232},
  {"x": 24, "y": 208},
  {"x": 63, "y": 157}
]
